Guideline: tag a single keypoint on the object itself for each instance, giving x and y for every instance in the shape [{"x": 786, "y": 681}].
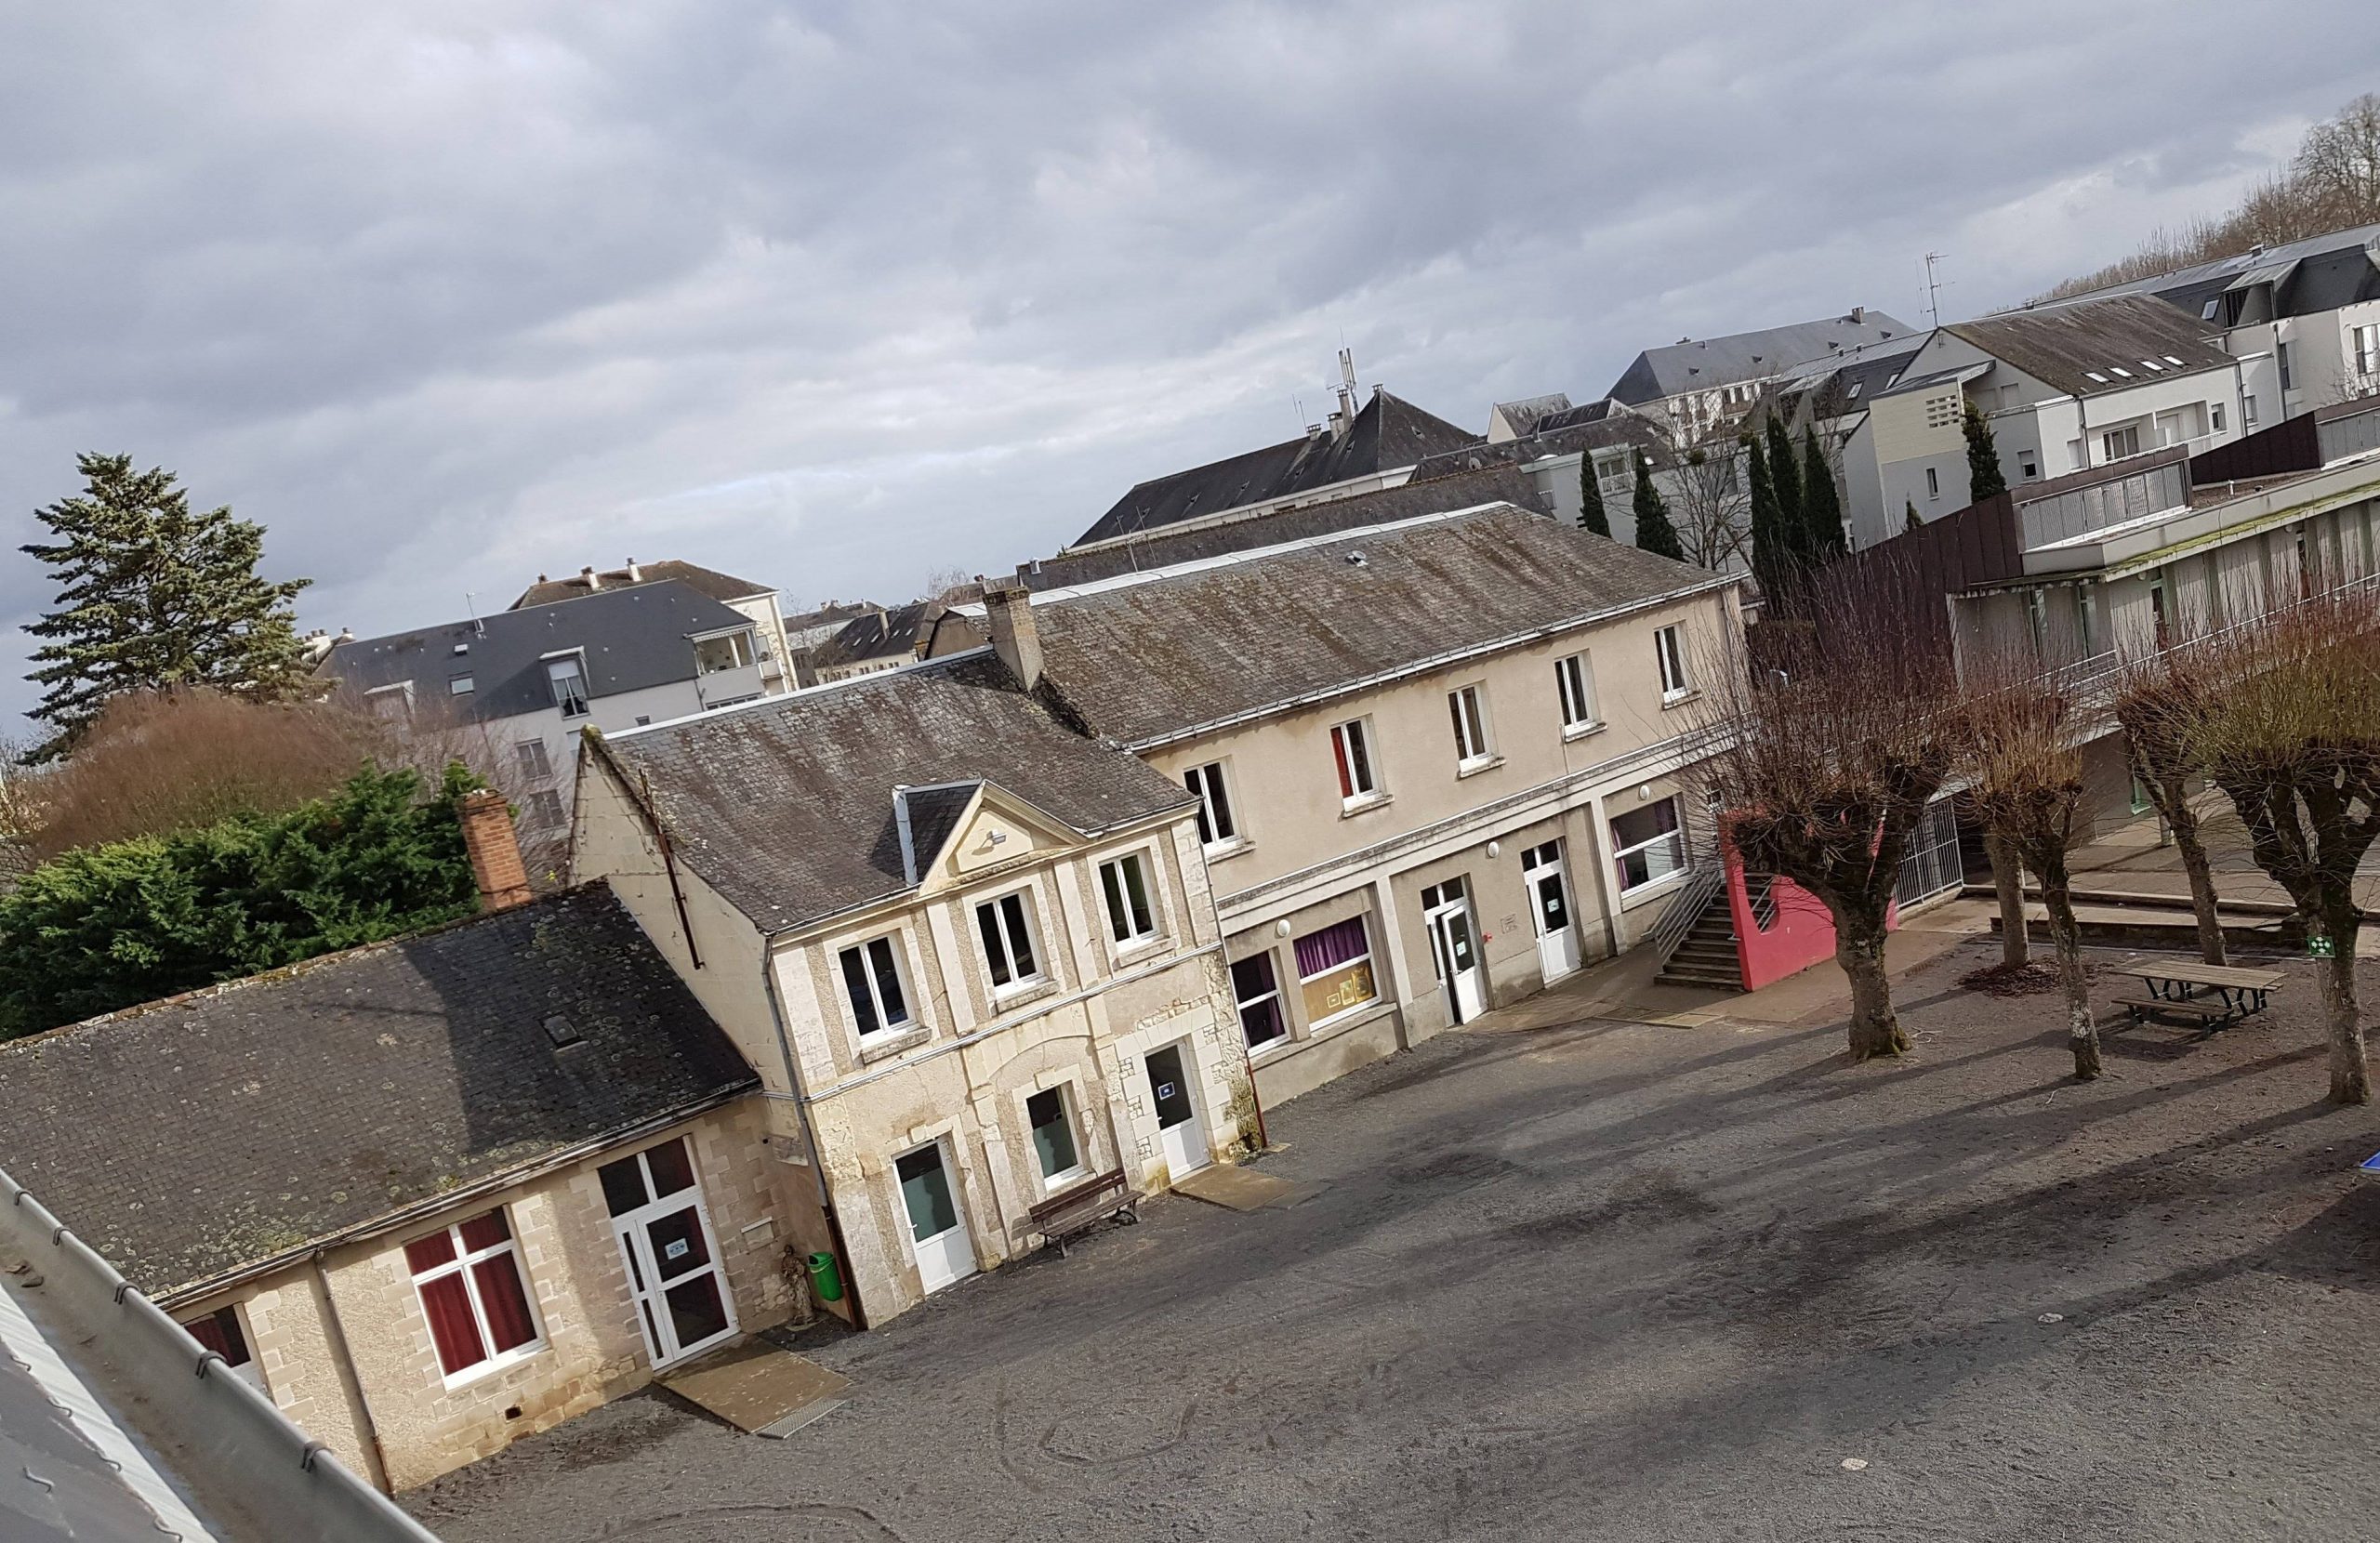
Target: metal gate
[{"x": 1931, "y": 866}]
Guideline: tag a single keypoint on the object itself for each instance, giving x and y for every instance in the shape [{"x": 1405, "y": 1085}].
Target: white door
[
  {"x": 1181, "y": 1134},
  {"x": 937, "y": 1222},
  {"x": 1454, "y": 948},
  {"x": 663, "y": 1229},
  {"x": 1549, "y": 909}
]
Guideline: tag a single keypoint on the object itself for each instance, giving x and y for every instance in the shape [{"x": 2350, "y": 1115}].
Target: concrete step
[
  {"x": 1700, "y": 979},
  {"x": 1722, "y": 954}
]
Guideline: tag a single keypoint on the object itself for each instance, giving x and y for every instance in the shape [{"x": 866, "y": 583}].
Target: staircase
[{"x": 1706, "y": 956}]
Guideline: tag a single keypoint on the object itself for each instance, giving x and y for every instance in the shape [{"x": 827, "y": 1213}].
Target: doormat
[
  {"x": 760, "y": 1390},
  {"x": 1239, "y": 1189}
]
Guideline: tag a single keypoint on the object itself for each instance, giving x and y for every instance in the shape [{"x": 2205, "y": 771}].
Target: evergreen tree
[
  {"x": 152, "y": 595},
  {"x": 1654, "y": 532},
  {"x": 1822, "y": 506},
  {"x": 1913, "y": 521},
  {"x": 1771, "y": 562},
  {"x": 1591, "y": 511},
  {"x": 1785, "y": 483},
  {"x": 1984, "y": 476}
]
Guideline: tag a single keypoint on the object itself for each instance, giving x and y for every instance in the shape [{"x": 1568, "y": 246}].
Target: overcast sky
[{"x": 449, "y": 293}]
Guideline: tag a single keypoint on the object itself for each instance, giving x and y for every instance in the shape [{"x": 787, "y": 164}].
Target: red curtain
[
  {"x": 506, "y": 1306},
  {"x": 451, "y": 1325}
]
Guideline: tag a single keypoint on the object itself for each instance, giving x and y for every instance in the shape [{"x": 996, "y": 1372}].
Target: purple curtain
[{"x": 1332, "y": 947}]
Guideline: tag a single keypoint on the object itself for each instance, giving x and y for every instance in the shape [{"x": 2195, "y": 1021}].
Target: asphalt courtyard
[{"x": 1608, "y": 1280}]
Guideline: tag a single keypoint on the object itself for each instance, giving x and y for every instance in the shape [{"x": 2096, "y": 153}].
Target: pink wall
[{"x": 1799, "y": 935}]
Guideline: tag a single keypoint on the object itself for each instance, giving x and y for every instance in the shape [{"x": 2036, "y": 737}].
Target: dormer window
[{"x": 567, "y": 675}]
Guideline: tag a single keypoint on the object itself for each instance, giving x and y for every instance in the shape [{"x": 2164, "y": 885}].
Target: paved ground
[{"x": 1608, "y": 1281}]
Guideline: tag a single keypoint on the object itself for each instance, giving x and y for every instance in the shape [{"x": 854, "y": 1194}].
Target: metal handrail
[{"x": 1687, "y": 906}]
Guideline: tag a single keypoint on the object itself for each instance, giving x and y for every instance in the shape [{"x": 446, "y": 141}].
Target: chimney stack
[
  {"x": 635, "y": 576},
  {"x": 1008, "y": 608},
  {"x": 1343, "y": 420},
  {"x": 496, "y": 851},
  {"x": 593, "y": 580},
  {"x": 1858, "y": 314}
]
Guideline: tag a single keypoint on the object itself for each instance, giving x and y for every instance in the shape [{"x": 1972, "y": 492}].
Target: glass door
[
  {"x": 1558, "y": 940},
  {"x": 1446, "y": 914},
  {"x": 664, "y": 1237},
  {"x": 937, "y": 1225},
  {"x": 1179, "y": 1131}
]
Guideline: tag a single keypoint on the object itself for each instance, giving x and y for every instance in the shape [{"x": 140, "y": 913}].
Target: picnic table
[{"x": 2174, "y": 982}]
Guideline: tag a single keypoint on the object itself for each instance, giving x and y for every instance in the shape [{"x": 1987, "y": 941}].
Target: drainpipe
[
  {"x": 810, "y": 1135},
  {"x": 350, "y": 1383}
]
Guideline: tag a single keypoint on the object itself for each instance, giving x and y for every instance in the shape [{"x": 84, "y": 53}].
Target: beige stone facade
[{"x": 343, "y": 1345}]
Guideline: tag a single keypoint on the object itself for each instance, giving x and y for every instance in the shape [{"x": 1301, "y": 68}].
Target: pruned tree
[
  {"x": 1654, "y": 532},
  {"x": 2164, "y": 704},
  {"x": 154, "y": 596},
  {"x": 1984, "y": 476},
  {"x": 1592, "y": 515},
  {"x": 2292, "y": 735},
  {"x": 2025, "y": 786},
  {"x": 1826, "y": 756}
]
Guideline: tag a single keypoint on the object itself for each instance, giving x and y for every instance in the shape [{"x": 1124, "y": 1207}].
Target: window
[
  {"x": 1670, "y": 651},
  {"x": 2116, "y": 444},
  {"x": 2214, "y": 416},
  {"x": 2247, "y": 411},
  {"x": 1471, "y": 747},
  {"x": 393, "y": 702},
  {"x": 534, "y": 762},
  {"x": 732, "y": 651},
  {"x": 1933, "y": 483},
  {"x": 2078, "y": 452},
  {"x": 545, "y": 808},
  {"x": 468, "y": 1280},
  {"x": 2082, "y": 620},
  {"x": 2037, "y": 621},
  {"x": 1352, "y": 743},
  {"x": 1615, "y": 478},
  {"x": 1258, "y": 996},
  {"x": 1576, "y": 679},
  {"x": 1216, "y": 826},
  {"x": 1006, "y": 930},
  {"x": 1054, "y": 1137},
  {"x": 2029, "y": 465},
  {"x": 1124, "y": 882},
  {"x": 1335, "y": 970},
  {"x": 1646, "y": 844},
  {"x": 220, "y": 1331},
  {"x": 569, "y": 682},
  {"x": 2367, "y": 349},
  {"x": 2281, "y": 353},
  {"x": 458, "y": 685},
  {"x": 872, "y": 985}
]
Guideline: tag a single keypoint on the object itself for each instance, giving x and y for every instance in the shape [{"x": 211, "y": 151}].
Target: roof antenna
[
  {"x": 471, "y": 605},
  {"x": 1933, "y": 287}
]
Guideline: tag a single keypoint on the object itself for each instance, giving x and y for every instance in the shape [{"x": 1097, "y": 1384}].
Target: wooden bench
[
  {"x": 2209, "y": 1013},
  {"x": 1077, "y": 1209}
]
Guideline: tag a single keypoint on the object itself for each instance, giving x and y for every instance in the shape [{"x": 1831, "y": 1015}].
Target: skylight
[
  {"x": 2120, "y": 369},
  {"x": 2097, "y": 376},
  {"x": 2171, "y": 360},
  {"x": 2153, "y": 365}
]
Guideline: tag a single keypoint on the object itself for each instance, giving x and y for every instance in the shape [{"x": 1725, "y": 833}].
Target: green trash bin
[{"x": 825, "y": 1278}]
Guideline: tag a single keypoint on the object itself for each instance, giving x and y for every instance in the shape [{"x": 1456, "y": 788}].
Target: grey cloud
[{"x": 450, "y": 293}]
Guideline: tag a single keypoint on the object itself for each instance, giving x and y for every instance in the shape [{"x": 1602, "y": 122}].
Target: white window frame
[
  {"x": 1280, "y": 1010},
  {"x": 2214, "y": 417},
  {"x": 1116, "y": 902},
  {"x": 740, "y": 647},
  {"x": 2248, "y": 411},
  {"x": 1365, "y": 958},
  {"x": 1213, "y": 787},
  {"x": 1676, "y": 833},
  {"x": 577, "y": 663},
  {"x": 1615, "y": 472},
  {"x": 1574, "y": 684},
  {"x": 1352, "y": 749},
  {"x": 1052, "y": 1182},
  {"x": 461, "y": 1263},
  {"x": 1475, "y": 744},
  {"x": 537, "y": 766},
  {"x": 2128, "y": 435},
  {"x": 401, "y": 693},
  {"x": 1933, "y": 483},
  {"x": 897, "y": 952},
  {"x": 1025, "y": 917},
  {"x": 1668, "y": 652},
  {"x": 2366, "y": 343}
]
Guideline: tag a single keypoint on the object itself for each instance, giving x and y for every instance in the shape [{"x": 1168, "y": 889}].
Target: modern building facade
[{"x": 756, "y": 602}]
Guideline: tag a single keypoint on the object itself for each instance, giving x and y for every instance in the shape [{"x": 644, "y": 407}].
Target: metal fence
[{"x": 1931, "y": 866}]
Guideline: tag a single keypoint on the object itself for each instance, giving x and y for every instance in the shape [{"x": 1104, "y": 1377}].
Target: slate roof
[
  {"x": 193, "y": 1137},
  {"x": 893, "y": 632},
  {"x": 2319, "y": 273},
  {"x": 1702, "y": 364},
  {"x": 1442, "y": 484},
  {"x": 633, "y": 638},
  {"x": 2063, "y": 346},
  {"x": 1585, "y": 412},
  {"x": 784, "y": 805},
  {"x": 1387, "y": 432},
  {"x": 1521, "y": 416},
  {"x": 708, "y": 581},
  {"x": 1567, "y": 435},
  {"x": 1144, "y": 659}
]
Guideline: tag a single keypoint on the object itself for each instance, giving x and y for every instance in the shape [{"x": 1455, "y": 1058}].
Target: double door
[
  {"x": 1549, "y": 909},
  {"x": 660, "y": 1221},
  {"x": 1454, "y": 948}
]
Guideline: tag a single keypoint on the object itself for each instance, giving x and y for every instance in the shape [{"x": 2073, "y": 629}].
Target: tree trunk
[
  {"x": 1875, "y": 1029},
  {"x": 2183, "y": 822},
  {"x": 2008, "y": 879},
  {"x": 2350, "y": 1073},
  {"x": 2065, "y": 937}
]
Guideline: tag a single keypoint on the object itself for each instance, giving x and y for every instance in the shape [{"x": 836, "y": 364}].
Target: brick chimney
[
  {"x": 495, "y": 852},
  {"x": 1007, "y": 611}
]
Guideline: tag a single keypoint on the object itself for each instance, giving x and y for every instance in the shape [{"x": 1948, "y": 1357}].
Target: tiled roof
[
  {"x": 1702, "y": 364},
  {"x": 2066, "y": 347},
  {"x": 634, "y": 639},
  {"x": 1387, "y": 432},
  {"x": 785, "y": 806},
  {"x": 196, "y": 1136},
  {"x": 1144, "y": 659},
  {"x": 708, "y": 581}
]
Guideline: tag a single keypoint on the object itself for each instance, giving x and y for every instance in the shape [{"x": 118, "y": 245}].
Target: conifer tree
[
  {"x": 152, "y": 595},
  {"x": 1822, "y": 506},
  {"x": 1785, "y": 483},
  {"x": 1984, "y": 476},
  {"x": 1913, "y": 521},
  {"x": 1590, "y": 510},
  {"x": 1654, "y": 532},
  {"x": 1770, "y": 561}
]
